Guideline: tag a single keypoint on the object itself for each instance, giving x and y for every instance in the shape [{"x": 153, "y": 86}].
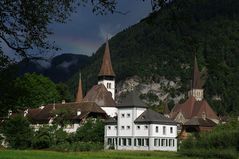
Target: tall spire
[
  {"x": 79, "y": 95},
  {"x": 106, "y": 67},
  {"x": 196, "y": 83}
]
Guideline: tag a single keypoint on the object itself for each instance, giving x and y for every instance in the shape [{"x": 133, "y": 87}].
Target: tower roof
[
  {"x": 106, "y": 67},
  {"x": 132, "y": 100},
  {"x": 79, "y": 95},
  {"x": 196, "y": 83}
]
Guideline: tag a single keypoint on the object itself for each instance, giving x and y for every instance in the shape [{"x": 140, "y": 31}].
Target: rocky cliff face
[{"x": 153, "y": 94}]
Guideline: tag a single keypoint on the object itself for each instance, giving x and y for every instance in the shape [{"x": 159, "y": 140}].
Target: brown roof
[
  {"x": 191, "y": 108},
  {"x": 106, "y": 67},
  {"x": 79, "y": 95},
  {"x": 100, "y": 95},
  {"x": 46, "y": 113},
  {"x": 197, "y": 83},
  {"x": 166, "y": 109},
  {"x": 196, "y": 121}
]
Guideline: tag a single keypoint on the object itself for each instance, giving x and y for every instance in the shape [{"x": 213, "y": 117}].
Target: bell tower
[
  {"x": 106, "y": 75},
  {"x": 196, "y": 88}
]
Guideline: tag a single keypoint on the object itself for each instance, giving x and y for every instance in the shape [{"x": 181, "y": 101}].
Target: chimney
[
  {"x": 78, "y": 112},
  {"x": 25, "y": 113},
  {"x": 9, "y": 113},
  {"x": 63, "y": 102}
]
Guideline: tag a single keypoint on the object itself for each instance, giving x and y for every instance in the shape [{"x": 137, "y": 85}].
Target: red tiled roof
[
  {"x": 191, "y": 108},
  {"x": 100, "y": 95}
]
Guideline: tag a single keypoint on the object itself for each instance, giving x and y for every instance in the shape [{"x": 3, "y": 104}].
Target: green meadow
[{"x": 33, "y": 154}]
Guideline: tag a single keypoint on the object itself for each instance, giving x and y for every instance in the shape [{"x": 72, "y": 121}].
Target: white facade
[
  {"x": 109, "y": 85},
  {"x": 127, "y": 135}
]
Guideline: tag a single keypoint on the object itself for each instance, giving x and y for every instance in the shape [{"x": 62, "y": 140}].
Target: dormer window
[
  {"x": 122, "y": 115},
  {"x": 138, "y": 127},
  {"x": 128, "y": 115},
  {"x": 122, "y": 127}
]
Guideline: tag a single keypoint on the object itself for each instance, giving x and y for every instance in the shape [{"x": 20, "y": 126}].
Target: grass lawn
[{"x": 32, "y": 154}]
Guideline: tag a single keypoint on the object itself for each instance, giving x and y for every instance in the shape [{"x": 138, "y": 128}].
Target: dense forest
[{"x": 164, "y": 45}]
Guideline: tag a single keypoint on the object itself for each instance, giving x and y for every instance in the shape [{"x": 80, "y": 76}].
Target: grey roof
[
  {"x": 112, "y": 121},
  {"x": 152, "y": 117},
  {"x": 132, "y": 100}
]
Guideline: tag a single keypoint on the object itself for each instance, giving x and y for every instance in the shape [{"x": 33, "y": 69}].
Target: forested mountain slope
[{"x": 164, "y": 45}]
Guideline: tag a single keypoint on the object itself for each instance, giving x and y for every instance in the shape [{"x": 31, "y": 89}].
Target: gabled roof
[
  {"x": 152, "y": 117},
  {"x": 197, "y": 82},
  {"x": 45, "y": 114},
  {"x": 106, "y": 67},
  {"x": 79, "y": 94},
  {"x": 192, "y": 108},
  {"x": 100, "y": 95},
  {"x": 132, "y": 100},
  {"x": 196, "y": 121}
]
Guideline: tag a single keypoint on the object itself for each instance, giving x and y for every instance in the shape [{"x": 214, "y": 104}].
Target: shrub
[{"x": 18, "y": 132}]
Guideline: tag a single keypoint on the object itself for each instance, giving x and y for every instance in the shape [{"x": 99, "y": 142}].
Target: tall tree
[{"x": 32, "y": 90}]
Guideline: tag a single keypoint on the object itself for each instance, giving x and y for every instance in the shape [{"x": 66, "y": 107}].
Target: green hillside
[{"x": 164, "y": 44}]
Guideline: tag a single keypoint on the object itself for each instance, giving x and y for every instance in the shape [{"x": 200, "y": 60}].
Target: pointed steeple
[
  {"x": 106, "y": 67},
  {"x": 196, "y": 83},
  {"x": 79, "y": 95}
]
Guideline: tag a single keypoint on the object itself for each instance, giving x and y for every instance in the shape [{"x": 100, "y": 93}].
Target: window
[
  {"x": 164, "y": 130},
  {"x": 139, "y": 142},
  {"x": 155, "y": 142},
  {"x": 170, "y": 142},
  {"x": 159, "y": 142},
  {"x": 157, "y": 129},
  {"x": 128, "y": 127},
  {"x": 173, "y": 143},
  {"x": 122, "y": 127},
  {"x": 142, "y": 142},
  {"x": 134, "y": 142},
  {"x": 138, "y": 127},
  {"x": 108, "y": 85},
  {"x": 124, "y": 141},
  {"x": 109, "y": 141},
  {"x": 171, "y": 130},
  {"x": 119, "y": 141},
  {"x": 147, "y": 142},
  {"x": 129, "y": 142},
  {"x": 146, "y": 127},
  {"x": 128, "y": 115},
  {"x": 109, "y": 127},
  {"x": 166, "y": 142},
  {"x": 122, "y": 115},
  {"x": 163, "y": 143},
  {"x": 115, "y": 127}
]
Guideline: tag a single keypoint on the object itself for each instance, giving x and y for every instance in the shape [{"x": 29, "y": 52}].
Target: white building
[{"x": 139, "y": 128}]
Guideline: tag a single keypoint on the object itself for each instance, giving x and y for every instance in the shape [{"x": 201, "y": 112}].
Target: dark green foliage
[
  {"x": 50, "y": 136},
  {"x": 18, "y": 132},
  {"x": 62, "y": 117},
  {"x": 33, "y": 90},
  {"x": 222, "y": 142},
  {"x": 164, "y": 45},
  {"x": 91, "y": 131}
]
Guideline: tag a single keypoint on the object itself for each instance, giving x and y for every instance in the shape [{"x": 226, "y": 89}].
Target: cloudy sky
[{"x": 85, "y": 31}]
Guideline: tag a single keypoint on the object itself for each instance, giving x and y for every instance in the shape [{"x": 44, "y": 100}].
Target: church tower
[
  {"x": 196, "y": 88},
  {"x": 107, "y": 75},
  {"x": 79, "y": 95}
]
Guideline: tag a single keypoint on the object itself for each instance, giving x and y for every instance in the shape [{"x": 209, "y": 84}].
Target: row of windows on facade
[
  {"x": 141, "y": 142},
  {"x": 108, "y": 85},
  {"x": 145, "y": 127}
]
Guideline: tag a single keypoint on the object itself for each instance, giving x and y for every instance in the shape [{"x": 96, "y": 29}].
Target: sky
[{"x": 85, "y": 32}]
